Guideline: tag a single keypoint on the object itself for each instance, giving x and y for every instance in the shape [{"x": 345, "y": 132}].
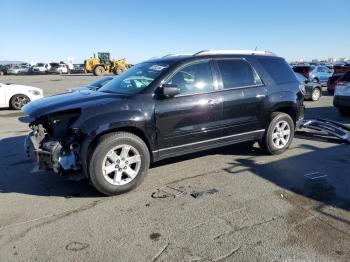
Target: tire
[
  {"x": 18, "y": 101},
  {"x": 102, "y": 157},
  {"x": 99, "y": 71},
  {"x": 118, "y": 70},
  {"x": 344, "y": 111},
  {"x": 269, "y": 141},
  {"x": 316, "y": 80},
  {"x": 316, "y": 94}
]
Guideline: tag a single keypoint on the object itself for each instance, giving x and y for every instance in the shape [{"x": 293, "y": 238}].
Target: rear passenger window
[
  {"x": 278, "y": 69},
  {"x": 237, "y": 73},
  {"x": 321, "y": 69}
]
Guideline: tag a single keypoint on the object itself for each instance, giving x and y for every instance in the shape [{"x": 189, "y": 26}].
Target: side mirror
[{"x": 170, "y": 90}]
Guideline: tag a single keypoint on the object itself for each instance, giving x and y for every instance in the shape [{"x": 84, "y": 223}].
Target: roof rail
[
  {"x": 233, "y": 52},
  {"x": 175, "y": 55}
]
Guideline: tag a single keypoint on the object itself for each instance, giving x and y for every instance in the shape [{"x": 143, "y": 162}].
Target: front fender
[{"x": 98, "y": 125}]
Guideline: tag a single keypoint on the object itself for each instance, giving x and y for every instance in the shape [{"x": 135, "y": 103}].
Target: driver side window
[{"x": 192, "y": 79}]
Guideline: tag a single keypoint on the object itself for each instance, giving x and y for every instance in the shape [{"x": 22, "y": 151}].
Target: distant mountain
[{"x": 5, "y": 62}]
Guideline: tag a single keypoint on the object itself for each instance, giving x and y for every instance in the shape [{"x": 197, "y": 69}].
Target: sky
[{"x": 137, "y": 30}]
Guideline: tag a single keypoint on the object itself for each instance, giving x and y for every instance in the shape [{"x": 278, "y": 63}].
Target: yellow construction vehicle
[{"x": 103, "y": 64}]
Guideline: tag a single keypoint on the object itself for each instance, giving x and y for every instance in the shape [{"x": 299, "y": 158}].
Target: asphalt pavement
[{"x": 229, "y": 204}]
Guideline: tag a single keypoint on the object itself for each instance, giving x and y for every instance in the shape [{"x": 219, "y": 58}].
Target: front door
[
  {"x": 3, "y": 96},
  {"x": 189, "y": 120}
]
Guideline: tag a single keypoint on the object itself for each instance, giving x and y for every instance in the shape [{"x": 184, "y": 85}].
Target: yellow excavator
[{"x": 103, "y": 64}]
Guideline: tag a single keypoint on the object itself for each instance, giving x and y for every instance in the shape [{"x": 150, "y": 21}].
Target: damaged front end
[{"x": 53, "y": 144}]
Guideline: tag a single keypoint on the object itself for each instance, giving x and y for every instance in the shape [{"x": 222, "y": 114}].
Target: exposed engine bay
[{"x": 53, "y": 145}]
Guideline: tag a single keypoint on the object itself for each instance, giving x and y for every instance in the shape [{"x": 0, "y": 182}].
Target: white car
[
  {"x": 40, "y": 68},
  {"x": 16, "y": 96},
  {"x": 58, "y": 68}
]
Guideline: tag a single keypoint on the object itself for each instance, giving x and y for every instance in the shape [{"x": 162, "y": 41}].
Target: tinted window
[
  {"x": 237, "y": 73},
  {"x": 321, "y": 69},
  {"x": 278, "y": 69},
  {"x": 345, "y": 77},
  {"x": 195, "y": 78},
  {"x": 302, "y": 69}
]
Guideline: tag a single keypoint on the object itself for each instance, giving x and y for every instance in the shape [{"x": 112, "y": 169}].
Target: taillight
[
  {"x": 340, "y": 81},
  {"x": 302, "y": 89}
]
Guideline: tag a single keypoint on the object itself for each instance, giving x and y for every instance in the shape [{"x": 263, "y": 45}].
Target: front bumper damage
[{"x": 52, "y": 154}]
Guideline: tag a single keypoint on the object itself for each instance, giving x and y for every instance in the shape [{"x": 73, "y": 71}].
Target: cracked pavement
[{"x": 265, "y": 208}]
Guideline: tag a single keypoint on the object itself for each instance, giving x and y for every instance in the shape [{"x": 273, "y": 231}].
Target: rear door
[
  {"x": 191, "y": 119},
  {"x": 243, "y": 99}
]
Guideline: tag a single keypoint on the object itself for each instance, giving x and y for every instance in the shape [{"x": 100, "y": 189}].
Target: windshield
[
  {"x": 40, "y": 64},
  {"x": 135, "y": 79}
]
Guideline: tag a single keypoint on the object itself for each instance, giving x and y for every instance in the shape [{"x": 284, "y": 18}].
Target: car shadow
[
  {"x": 320, "y": 174},
  {"x": 288, "y": 172},
  {"x": 16, "y": 176}
]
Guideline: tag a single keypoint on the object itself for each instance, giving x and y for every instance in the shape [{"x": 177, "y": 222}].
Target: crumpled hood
[{"x": 67, "y": 101}]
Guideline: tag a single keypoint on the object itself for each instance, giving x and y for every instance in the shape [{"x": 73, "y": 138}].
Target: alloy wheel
[
  {"x": 281, "y": 134},
  {"x": 121, "y": 165}
]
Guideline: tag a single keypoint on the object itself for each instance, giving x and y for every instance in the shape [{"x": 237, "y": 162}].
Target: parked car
[
  {"x": 6, "y": 67},
  {"x": 339, "y": 71},
  {"x": 2, "y": 70},
  {"x": 96, "y": 85},
  {"x": 313, "y": 91},
  {"x": 78, "y": 69},
  {"x": 40, "y": 68},
  {"x": 164, "y": 108},
  {"x": 317, "y": 74},
  {"x": 58, "y": 68},
  {"x": 16, "y": 96},
  {"x": 341, "y": 98},
  {"x": 18, "y": 70}
]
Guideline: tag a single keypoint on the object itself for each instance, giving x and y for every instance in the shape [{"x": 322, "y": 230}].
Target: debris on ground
[
  {"x": 168, "y": 191},
  {"x": 332, "y": 128},
  {"x": 197, "y": 194}
]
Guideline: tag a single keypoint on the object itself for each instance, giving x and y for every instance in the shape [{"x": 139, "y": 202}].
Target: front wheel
[
  {"x": 18, "y": 101},
  {"x": 279, "y": 135},
  {"x": 316, "y": 94},
  {"x": 118, "y": 163}
]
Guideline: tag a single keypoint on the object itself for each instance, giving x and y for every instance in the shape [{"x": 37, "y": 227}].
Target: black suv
[{"x": 162, "y": 108}]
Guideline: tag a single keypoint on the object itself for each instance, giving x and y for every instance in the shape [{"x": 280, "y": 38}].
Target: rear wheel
[
  {"x": 316, "y": 94},
  {"x": 279, "y": 135},
  {"x": 18, "y": 101},
  {"x": 118, "y": 163},
  {"x": 99, "y": 71},
  {"x": 118, "y": 70}
]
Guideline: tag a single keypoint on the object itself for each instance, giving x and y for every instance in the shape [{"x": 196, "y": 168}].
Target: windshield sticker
[{"x": 157, "y": 67}]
